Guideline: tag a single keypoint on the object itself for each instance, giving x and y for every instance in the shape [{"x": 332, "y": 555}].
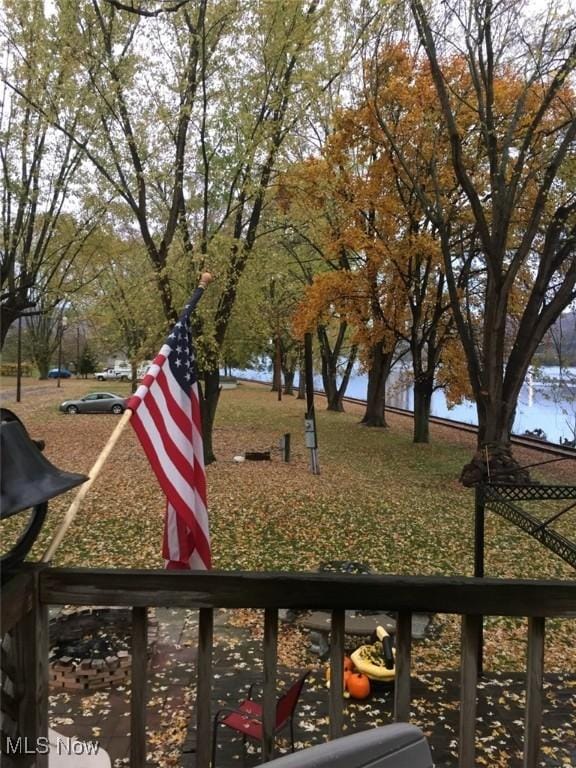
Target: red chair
[{"x": 247, "y": 717}]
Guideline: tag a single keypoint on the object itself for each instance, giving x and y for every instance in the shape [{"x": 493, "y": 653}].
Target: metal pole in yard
[
  {"x": 62, "y": 325},
  {"x": 19, "y": 362},
  {"x": 310, "y": 420},
  {"x": 479, "y": 510},
  {"x": 278, "y": 364}
]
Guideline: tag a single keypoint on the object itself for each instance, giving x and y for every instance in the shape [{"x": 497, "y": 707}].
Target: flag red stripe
[
  {"x": 175, "y": 407},
  {"x": 179, "y": 461},
  {"x": 185, "y": 485},
  {"x": 172, "y": 493}
]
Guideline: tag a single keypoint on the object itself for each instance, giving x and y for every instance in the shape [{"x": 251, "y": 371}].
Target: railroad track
[{"x": 524, "y": 442}]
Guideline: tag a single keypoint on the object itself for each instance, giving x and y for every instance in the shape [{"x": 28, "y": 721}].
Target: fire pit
[{"x": 90, "y": 648}]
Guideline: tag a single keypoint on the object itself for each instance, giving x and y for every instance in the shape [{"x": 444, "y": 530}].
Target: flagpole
[
  {"x": 79, "y": 498},
  {"x": 205, "y": 279}
]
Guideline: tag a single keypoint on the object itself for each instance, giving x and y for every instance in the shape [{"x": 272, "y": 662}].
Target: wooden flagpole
[
  {"x": 205, "y": 280},
  {"x": 79, "y": 498}
]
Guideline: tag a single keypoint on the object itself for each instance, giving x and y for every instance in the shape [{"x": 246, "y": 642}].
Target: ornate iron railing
[{"x": 500, "y": 498}]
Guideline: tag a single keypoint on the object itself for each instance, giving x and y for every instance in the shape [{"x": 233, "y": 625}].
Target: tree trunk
[
  {"x": 334, "y": 393},
  {"x": 334, "y": 398},
  {"x": 43, "y": 365},
  {"x": 375, "y": 415},
  {"x": 208, "y": 403},
  {"x": 493, "y": 462},
  {"x": 495, "y": 417},
  {"x": 7, "y": 317},
  {"x": 301, "y": 382},
  {"x": 423, "y": 389},
  {"x": 134, "y": 376},
  {"x": 276, "y": 379},
  {"x": 289, "y": 382}
]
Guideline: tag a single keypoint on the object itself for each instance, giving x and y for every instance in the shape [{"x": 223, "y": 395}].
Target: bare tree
[
  {"x": 511, "y": 123},
  {"x": 41, "y": 237}
]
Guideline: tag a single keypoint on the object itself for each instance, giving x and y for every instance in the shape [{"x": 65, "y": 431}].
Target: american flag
[{"x": 166, "y": 418}]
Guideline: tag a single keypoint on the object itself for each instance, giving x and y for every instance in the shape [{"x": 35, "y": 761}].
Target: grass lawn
[{"x": 379, "y": 499}]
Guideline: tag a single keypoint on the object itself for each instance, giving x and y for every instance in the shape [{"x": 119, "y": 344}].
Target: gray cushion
[{"x": 398, "y": 745}]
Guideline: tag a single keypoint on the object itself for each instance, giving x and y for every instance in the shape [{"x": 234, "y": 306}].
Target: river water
[{"x": 540, "y": 406}]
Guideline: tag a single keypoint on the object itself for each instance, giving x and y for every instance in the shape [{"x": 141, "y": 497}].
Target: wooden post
[
  {"x": 335, "y": 698},
  {"x": 479, "y": 508},
  {"x": 402, "y": 663},
  {"x": 479, "y": 528},
  {"x": 311, "y": 435},
  {"x": 204, "y": 687},
  {"x": 269, "y": 693},
  {"x": 32, "y": 649},
  {"x": 287, "y": 447},
  {"x": 138, "y": 696},
  {"x": 468, "y": 685},
  {"x": 534, "y": 686}
]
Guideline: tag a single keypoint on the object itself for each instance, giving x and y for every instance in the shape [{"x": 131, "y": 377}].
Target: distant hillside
[{"x": 562, "y": 336}]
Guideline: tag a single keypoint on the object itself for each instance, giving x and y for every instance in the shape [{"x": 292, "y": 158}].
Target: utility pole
[
  {"x": 19, "y": 355},
  {"x": 278, "y": 365},
  {"x": 19, "y": 361},
  {"x": 277, "y": 341},
  {"x": 77, "y": 350},
  {"x": 62, "y": 325},
  {"x": 310, "y": 419}
]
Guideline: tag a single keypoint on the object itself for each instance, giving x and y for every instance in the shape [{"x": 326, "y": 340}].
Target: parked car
[
  {"x": 64, "y": 373},
  {"x": 95, "y": 402}
]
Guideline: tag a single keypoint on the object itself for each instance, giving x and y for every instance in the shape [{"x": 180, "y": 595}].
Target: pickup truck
[{"x": 111, "y": 374}]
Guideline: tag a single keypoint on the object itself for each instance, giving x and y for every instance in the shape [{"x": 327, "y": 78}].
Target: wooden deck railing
[{"x": 471, "y": 598}]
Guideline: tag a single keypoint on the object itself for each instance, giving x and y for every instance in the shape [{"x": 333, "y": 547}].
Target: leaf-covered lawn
[{"x": 379, "y": 499}]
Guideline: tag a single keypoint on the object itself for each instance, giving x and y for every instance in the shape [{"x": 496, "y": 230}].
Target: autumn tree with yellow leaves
[
  {"x": 312, "y": 221},
  {"x": 395, "y": 292},
  {"x": 398, "y": 242}
]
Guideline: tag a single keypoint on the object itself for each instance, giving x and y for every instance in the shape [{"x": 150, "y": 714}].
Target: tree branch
[{"x": 148, "y": 14}]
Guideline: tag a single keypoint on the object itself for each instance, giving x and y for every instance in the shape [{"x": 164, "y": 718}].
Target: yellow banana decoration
[{"x": 369, "y": 659}]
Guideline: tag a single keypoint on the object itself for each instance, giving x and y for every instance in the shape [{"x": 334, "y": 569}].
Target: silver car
[{"x": 95, "y": 402}]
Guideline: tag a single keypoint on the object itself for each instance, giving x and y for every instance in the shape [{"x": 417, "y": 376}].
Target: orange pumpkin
[
  {"x": 348, "y": 664},
  {"x": 345, "y": 677},
  {"x": 358, "y": 685}
]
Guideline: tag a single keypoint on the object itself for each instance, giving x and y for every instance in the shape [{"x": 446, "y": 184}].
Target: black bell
[{"x": 27, "y": 478}]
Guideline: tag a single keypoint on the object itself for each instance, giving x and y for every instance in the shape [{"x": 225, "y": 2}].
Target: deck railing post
[
  {"x": 479, "y": 527},
  {"x": 269, "y": 692},
  {"x": 41, "y": 666},
  {"x": 402, "y": 663},
  {"x": 468, "y": 686},
  {"x": 204, "y": 687},
  {"x": 138, "y": 695},
  {"x": 336, "y": 674},
  {"x": 32, "y": 649},
  {"x": 534, "y": 684}
]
